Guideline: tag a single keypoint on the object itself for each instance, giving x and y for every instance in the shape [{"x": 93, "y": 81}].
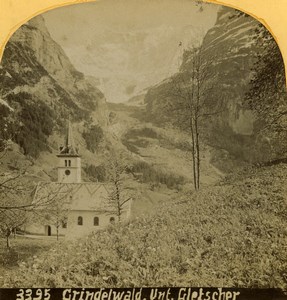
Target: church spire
[{"x": 69, "y": 149}]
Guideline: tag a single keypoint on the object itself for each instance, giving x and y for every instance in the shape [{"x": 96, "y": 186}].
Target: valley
[
  {"x": 161, "y": 158},
  {"x": 229, "y": 230},
  {"x": 165, "y": 148}
]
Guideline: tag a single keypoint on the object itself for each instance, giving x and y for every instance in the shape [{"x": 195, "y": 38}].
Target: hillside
[
  {"x": 229, "y": 50},
  {"x": 160, "y": 155},
  {"x": 39, "y": 83},
  {"x": 40, "y": 90},
  {"x": 232, "y": 234}
]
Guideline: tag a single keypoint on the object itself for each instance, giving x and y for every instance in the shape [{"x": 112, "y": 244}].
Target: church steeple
[
  {"x": 69, "y": 148},
  {"x": 69, "y": 170}
]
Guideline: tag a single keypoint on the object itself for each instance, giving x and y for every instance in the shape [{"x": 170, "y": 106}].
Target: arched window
[
  {"x": 96, "y": 221},
  {"x": 69, "y": 163},
  {"x": 80, "y": 220},
  {"x": 112, "y": 220},
  {"x": 66, "y": 163}
]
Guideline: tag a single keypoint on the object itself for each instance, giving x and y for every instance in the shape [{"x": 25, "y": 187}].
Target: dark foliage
[
  {"x": 96, "y": 173},
  {"x": 18, "y": 62},
  {"x": 93, "y": 135},
  {"x": 142, "y": 132},
  {"x": 138, "y": 137},
  {"x": 35, "y": 124},
  {"x": 267, "y": 96},
  {"x": 7, "y": 126},
  {"x": 149, "y": 174}
]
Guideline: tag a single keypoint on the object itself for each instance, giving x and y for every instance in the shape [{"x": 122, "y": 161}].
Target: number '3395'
[{"x": 35, "y": 294}]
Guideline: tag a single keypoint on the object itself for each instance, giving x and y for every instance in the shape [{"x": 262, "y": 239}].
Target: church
[{"x": 70, "y": 207}]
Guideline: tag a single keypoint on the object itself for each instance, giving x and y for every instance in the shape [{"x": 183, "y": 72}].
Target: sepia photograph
[{"x": 143, "y": 144}]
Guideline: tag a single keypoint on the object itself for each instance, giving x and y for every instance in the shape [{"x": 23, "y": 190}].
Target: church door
[{"x": 48, "y": 230}]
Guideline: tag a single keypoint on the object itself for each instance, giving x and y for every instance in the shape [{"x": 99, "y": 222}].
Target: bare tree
[
  {"x": 57, "y": 214},
  {"x": 60, "y": 218},
  {"x": 52, "y": 203},
  {"x": 10, "y": 222},
  {"x": 189, "y": 101},
  {"x": 14, "y": 191},
  {"x": 14, "y": 198},
  {"x": 18, "y": 206},
  {"x": 21, "y": 202},
  {"x": 119, "y": 195}
]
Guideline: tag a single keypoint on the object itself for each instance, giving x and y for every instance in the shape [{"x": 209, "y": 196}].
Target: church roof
[
  {"x": 84, "y": 196},
  {"x": 69, "y": 148}
]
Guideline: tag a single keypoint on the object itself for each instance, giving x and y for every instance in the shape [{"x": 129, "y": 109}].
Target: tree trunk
[
  {"x": 119, "y": 209},
  {"x": 196, "y": 114},
  {"x": 8, "y": 233},
  {"x": 193, "y": 155},
  {"x": 119, "y": 215},
  {"x": 118, "y": 197},
  {"x": 57, "y": 232},
  {"x": 197, "y": 154}
]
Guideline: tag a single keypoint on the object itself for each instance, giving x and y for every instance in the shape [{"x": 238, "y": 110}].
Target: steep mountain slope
[
  {"x": 42, "y": 86},
  {"x": 121, "y": 78},
  {"x": 159, "y": 157},
  {"x": 128, "y": 46},
  {"x": 229, "y": 50}
]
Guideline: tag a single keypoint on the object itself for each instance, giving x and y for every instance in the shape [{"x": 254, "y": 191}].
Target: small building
[{"x": 70, "y": 207}]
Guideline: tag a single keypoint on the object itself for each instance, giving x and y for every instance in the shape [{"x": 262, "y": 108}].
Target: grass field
[
  {"x": 232, "y": 234},
  {"x": 22, "y": 248}
]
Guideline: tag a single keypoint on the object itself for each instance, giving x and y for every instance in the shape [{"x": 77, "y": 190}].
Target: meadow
[{"x": 232, "y": 234}]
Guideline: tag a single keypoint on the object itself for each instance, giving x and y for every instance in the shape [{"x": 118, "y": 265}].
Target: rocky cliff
[
  {"x": 40, "y": 84},
  {"x": 229, "y": 48},
  {"x": 231, "y": 45}
]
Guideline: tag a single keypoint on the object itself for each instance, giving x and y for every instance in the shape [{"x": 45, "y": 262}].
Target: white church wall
[
  {"x": 74, "y": 229},
  {"x": 43, "y": 229},
  {"x": 69, "y": 170}
]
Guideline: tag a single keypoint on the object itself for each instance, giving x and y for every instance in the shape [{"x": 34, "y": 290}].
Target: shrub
[
  {"x": 96, "y": 173},
  {"x": 9, "y": 258},
  {"x": 36, "y": 122},
  {"x": 147, "y": 173},
  {"x": 6, "y": 126},
  {"x": 135, "y": 138},
  {"x": 93, "y": 135}
]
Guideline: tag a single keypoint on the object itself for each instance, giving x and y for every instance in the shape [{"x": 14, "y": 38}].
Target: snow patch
[
  {"x": 223, "y": 16},
  {"x": 7, "y": 74},
  {"x": 3, "y": 102}
]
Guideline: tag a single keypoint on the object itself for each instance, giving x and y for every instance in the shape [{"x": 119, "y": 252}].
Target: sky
[{"x": 128, "y": 45}]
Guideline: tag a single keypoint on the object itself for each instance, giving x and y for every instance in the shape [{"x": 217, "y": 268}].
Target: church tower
[{"x": 69, "y": 169}]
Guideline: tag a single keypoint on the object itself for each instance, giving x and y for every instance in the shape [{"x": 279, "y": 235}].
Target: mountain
[
  {"x": 231, "y": 45},
  {"x": 40, "y": 84},
  {"x": 122, "y": 58},
  {"x": 137, "y": 99},
  {"x": 41, "y": 88},
  {"x": 230, "y": 51}
]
